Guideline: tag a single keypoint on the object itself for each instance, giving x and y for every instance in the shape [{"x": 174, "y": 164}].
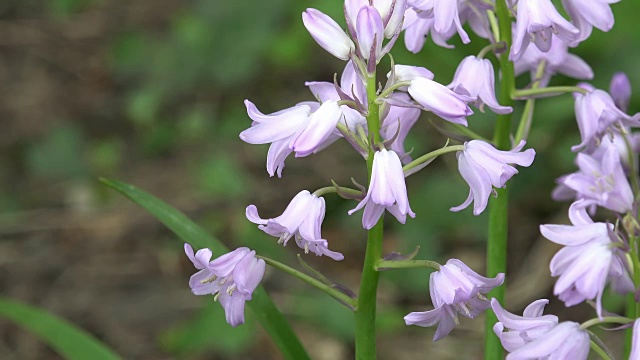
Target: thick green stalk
[
  {"x": 628, "y": 333},
  {"x": 499, "y": 206},
  {"x": 365, "y": 316},
  {"x": 633, "y": 308}
]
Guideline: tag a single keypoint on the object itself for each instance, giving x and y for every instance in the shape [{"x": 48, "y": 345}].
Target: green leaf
[
  {"x": 263, "y": 308},
  {"x": 209, "y": 330},
  {"x": 69, "y": 341}
]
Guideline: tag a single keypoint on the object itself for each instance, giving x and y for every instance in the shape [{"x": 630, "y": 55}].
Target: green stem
[
  {"x": 406, "y": 264},
  {"x": 336, "y": 189},
  {"x": 366, "y": 313},
  {"x": 342, "y": 297},
  {"x": 498, "y": 207},
  {"x": 394, "y": 87},
  {"x": 365, "y": 316},
  {"x": 424, "y": 158},
  {"x": 598, "y": 350},
  {"x": 527, "y": 114},
  {"x": 633, "y": 308},
  {"x": 632, "y": 165},
  {"x": 495, "y": 46},
  {"x": 628, "y": 333},
  {"x": 467, "y": 132},
  {"x": 605, "y": 320},
  {"x": 547, "y": 91}
]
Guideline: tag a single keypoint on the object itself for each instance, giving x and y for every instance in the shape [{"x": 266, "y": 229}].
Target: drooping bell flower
[
  {"x": 557, "y": 60},
  {"x": 602, "y": 181},
  {"x": 446, "y": 17},
  {"x": 483, "y": 167},
  {"x": 585, "y": 262},
  {"x": 328, "y": 34},
  {"x": 516, "y": 331},
  {"x": 587, "y": 15},
  {"x": 387, "y": 190},
  {"x": 278, "y": 129},
  {"x": 302, "y": 219},
  {"x": 417, "y": 29},
  {"x": 564, "y": 341},
  {"x": 596, "y": 112},
  {"x": 477, "y": 77},
  {"x": 455, "y": 289},
  {"x": 536, "y": 21},
  {"x": 231, "y": 278},
  {"x": 536, "y": 336}
]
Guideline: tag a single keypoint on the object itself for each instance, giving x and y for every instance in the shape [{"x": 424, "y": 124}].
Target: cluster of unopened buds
[{"x": 375, "y": 120}]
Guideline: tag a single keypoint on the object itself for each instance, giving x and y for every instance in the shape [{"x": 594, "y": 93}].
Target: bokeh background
[{"x": 150, "y": 92}]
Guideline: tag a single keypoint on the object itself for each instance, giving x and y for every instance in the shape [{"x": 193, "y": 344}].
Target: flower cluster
[{"x": 376, "y": 118}]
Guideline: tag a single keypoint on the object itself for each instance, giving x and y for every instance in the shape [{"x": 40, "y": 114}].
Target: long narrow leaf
[
  {"x": 66, "y": 339},
  {"x": 263, "y": 308}
]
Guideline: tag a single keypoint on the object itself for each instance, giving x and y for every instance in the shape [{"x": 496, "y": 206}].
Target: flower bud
[
  {"x": 392, "y": 13},
  {"x": 328, "y": 34},
  {"x": 370, "y": 32},
  {"x": 620, "y": 90},
  {"x": 441, "y": 101}
]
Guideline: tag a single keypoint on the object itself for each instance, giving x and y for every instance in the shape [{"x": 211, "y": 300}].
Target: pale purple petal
[
  {"x": 328, "y": 34},
  {"x": 233, "y": 307},
  {"x": 321, "y": 125}
]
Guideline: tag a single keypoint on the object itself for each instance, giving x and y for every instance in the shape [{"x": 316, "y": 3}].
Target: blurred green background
[{"x": 151, "y": 93}]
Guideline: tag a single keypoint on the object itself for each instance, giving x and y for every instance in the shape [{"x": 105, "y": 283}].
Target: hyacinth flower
[
  {"x": 476, "y": 77},
  {"x": 328, "y": 34},
  {"x": 446, "y": 17},
  {"x": 516, "y": 331},
  {"x": 620, "y": 90},
  {"x": 455, "y": 289},
  {"x": 438, "y": 99},
  {"x": 387, "y": 190},
  {"x": 596, "y": 112},
  {"x": 602, "y": 181},
  {"x": 416, "y": 29},
  {"x": 278, "y": 129},
  {"x": 585, "y": 16},
  {"x": 301, "y": 219},
  {"x": 304, "y": 129},
  {"x": 557, "y": 60},
  {"x": 483, "y": 167},
  {"x": 564, "y": 341},
  {"x": 231, "y": 278},
  {"x": 536, "y": 21},
  {"x": 586, "y": 261}
]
